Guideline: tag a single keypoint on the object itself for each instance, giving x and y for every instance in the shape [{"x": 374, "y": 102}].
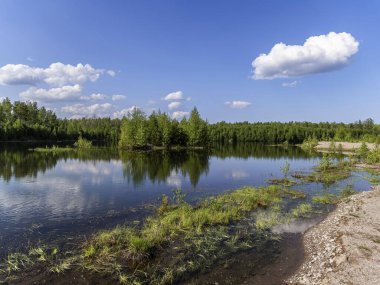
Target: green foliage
[
  {"x": 285, "y": 169},
  {"x": 138, "y": 131},
  {"x": 25, "y": 121},
  {"x": 373, "y": 156},
  {"x": 363, "y": 151},
  {"x": 309, "y": 143},
  {"x": 83, "y": 143},
  {"x": 325, "y": 163},
  {"x": 178, "y": 196}
]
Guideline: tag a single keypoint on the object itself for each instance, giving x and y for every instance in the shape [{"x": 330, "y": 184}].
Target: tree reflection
[{"x": 158, "y": 166}]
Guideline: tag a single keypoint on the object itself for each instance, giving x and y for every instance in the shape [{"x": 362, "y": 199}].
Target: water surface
[{"x": 44, "y": 196}]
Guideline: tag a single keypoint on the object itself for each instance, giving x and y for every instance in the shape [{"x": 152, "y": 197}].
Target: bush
[{"x": 83, "y": 143}]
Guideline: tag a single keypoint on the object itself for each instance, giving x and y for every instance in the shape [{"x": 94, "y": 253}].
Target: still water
[{"x": 48, "y": 195}]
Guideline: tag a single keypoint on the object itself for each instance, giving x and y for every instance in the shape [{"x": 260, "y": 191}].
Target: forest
[{"x": 27, "y": 121}]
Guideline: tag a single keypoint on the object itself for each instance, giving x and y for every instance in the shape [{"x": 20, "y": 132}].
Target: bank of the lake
[
  {"x": 345, "y": 247},
  {"x": 345, "y": 146}
]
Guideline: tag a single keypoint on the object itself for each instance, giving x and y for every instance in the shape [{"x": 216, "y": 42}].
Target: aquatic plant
[
  {"x": 326, "y": 198},
  {"x": 176, "y": 223},
  {"x": 302, "y": 210}
]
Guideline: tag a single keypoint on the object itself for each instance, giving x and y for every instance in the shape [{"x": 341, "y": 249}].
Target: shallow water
[{"x": 49, "y": 196}]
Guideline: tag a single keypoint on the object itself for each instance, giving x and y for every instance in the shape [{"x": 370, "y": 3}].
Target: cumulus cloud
[
  {"x": 178, "y": 95},
  {"x": 318, "y": 54},
  {"x": 118, "y": 97},
  {"x": 124, "y": 112},
  {"x": 180, "y": 114},
  {"x": 57, "y": 74},
  {"x": 2, "y": 99},
  {"x": 290, "y": 84},
  {"x": 174, "y": 105},
  {"x": 80, "y": 110},
  {"x": 54, "y": 94},
  {"x": 237, "y": 104},
  {"x": 94, "y": 97}
]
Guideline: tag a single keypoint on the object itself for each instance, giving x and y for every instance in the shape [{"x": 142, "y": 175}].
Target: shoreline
[
  {"x": 345, "y": 247},
  {"x": 346, "y": 146}
]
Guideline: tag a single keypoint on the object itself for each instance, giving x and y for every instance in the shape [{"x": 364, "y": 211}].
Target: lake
[{"x": 58, "y": 197}]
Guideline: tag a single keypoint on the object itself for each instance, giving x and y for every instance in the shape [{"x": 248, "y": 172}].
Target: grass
[
  {"x": 201, "y": 232},
  {"x": 326, "y": 198},
  {"x": 329, "y": 198},
  {"x": 183, "y": 219},
  {"x": 54, "y": 149},
  {"x": 283, "y": 182},
  {"x": 294, "y": 194},
  {"x": 302, "y": 210}
]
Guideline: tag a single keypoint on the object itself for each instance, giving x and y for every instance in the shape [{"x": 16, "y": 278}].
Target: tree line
[
  {"x": 294, "y": 132},
  {"x": 27, "y": 121}
]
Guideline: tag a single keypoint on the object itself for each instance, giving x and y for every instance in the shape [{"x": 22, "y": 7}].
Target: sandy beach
[{"x": 345, "y": 247}]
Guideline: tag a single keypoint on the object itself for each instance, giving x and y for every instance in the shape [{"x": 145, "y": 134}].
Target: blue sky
[{"x": 200, "y": 52}]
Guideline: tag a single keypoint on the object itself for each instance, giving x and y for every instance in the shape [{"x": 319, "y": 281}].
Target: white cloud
[
  {"x": 180, "y": 114},
  {"x": 54, "y": 94},
  {"x": 174, "y": 105},
  {"x": 178, "y": 95},
  {"x": 20, "y": 74},
  {"x": 94, "y": 97},
  {"x": 80, "y": 110},
  {"x": 124, "y": 112},
  {"x": 118, "y": 97},
  {"x": 57, "y": 74},
  {"x": 237, "y": 104},
  {"x": 290, "y": 84},
  {"x": 111, "y": 73},
  {"x": 2, "y": 99},
  {"x": 318, "y": 54}
]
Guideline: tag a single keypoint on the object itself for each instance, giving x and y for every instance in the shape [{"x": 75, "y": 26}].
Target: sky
[{"x": 240, "y": 60}]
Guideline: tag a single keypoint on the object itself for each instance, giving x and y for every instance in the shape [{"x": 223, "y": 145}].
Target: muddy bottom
[{"x": 269, "y": 266}]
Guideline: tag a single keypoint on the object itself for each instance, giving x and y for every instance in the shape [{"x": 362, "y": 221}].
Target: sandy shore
[
  {"x": 345, "y": 247},
  {"x": 346, "y": 146}
]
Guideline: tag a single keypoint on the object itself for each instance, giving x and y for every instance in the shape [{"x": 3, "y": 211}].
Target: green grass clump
[
  {"x": 267, "y": 219},
  {"x": 347, "y": 191},
  {"x": 294, "y": 193},
  {"x": 283, "y": 182},
  {"x": 325, "y": 177},
  {"x": 326, "y": 198},
  {"x": 302, "y": 210}
]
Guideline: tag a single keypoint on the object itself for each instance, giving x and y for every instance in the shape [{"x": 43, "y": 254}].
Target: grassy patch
[
  {"x": 54, "y": 149},
  {"x": 199, "y": 232},
  {"x": 326, "y": 198},
  {"x": 283, "y": 182},
  {"x": 326, "y": 177},
  {"x": 302, "y": 210},
  {"x": 294, "y": 193}
]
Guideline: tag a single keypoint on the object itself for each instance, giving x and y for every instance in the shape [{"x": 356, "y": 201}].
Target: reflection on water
[{"x": 67, "y": 192}]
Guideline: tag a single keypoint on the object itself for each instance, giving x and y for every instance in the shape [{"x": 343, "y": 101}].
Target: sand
[{"x": 345, "y": 247}]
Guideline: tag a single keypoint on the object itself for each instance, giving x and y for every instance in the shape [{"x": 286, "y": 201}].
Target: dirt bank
[
  {"x": 346, "y": 146},
  {"x": 345, "y": 247}
]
